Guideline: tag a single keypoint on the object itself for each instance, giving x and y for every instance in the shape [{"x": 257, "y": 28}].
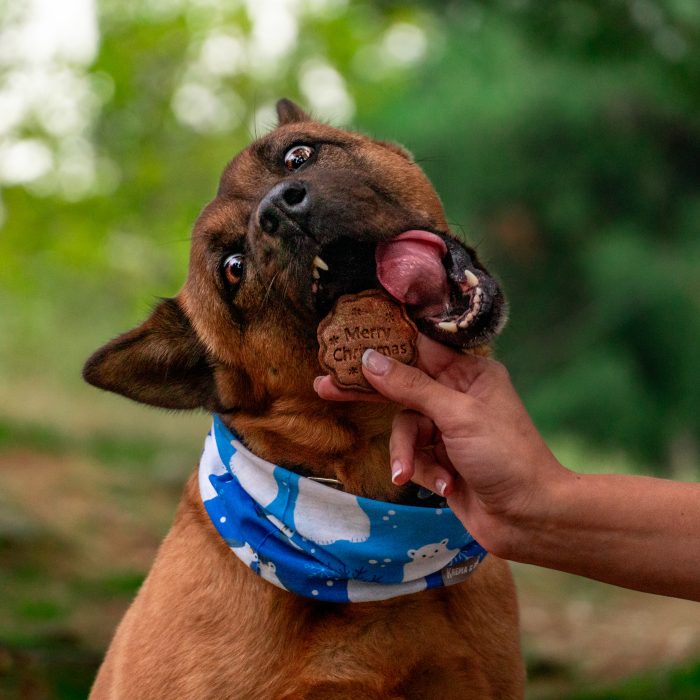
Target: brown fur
[{"x": 203, "y": 624}]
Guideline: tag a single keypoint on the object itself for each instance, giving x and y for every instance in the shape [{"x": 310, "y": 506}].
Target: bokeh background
[{"x": 564, "y": 138}]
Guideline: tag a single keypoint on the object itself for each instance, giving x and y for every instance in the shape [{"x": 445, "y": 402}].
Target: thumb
[{"x": 410, "y": 386}]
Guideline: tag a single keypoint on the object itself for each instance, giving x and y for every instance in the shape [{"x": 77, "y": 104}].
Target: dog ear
[
  {"x": 398, "y": 149},
  {"x": 161, "y": 362},
  {"x": 288, "y": 112}
]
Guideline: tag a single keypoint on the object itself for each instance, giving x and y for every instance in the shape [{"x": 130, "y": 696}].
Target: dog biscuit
[{"x": 357, "y": 322}]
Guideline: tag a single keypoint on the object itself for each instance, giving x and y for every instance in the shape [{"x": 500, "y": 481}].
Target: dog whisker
[{"x": 269, "y": 289}]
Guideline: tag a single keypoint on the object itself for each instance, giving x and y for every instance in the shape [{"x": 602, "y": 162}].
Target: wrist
[{"x": 526, "y": 528}]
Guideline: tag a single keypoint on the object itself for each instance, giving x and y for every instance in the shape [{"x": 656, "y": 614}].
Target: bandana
[{"x": 321, "y": 543}]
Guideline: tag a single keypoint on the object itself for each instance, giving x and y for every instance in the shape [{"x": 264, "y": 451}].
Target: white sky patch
[
  {"x": 224, "y": 54},
  {"x": 325, "y": 91},
  {"x": 45, "y": 47},
  {"x": 208, "y": 108},
  {"x": 24, "y": 161},
  {"x": 53, "y": 31},
  {"x": 11, "y": 110},
  {"x": 200, "y": 107},
  {"x": 274, "y": 33},
  {"x": 401, "y": 46},
  {"x": 404, "y": 44}
]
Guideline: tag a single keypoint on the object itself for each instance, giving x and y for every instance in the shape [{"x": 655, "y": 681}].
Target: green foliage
[
  {"x": 567, "y": 146},
  {"x": 563, "y": 137}
]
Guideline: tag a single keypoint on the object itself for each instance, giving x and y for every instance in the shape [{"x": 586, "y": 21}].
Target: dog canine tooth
[
  {"x": 449, "y": 326},
  {"x": 315, "y": 273},
  {"x": 320, "y": 263},
  {"x": 471, "y": 279}
]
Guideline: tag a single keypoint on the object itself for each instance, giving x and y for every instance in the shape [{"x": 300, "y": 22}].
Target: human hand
[{"x": 466, "y": 434}]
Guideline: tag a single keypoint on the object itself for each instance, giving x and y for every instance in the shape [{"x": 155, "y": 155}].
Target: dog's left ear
[
  {"x": 288, "y": 112},
  {"x": 161, "y": 362},
  {"x": 398, "y": 149}
]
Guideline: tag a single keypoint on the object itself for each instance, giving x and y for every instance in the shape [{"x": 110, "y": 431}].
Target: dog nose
[{"x": 285, "y": 203}]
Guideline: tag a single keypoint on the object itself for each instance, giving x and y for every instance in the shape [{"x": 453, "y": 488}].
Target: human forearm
[
  {"x": 467, "y": 436},
  {"x": 632, "y": 531}
]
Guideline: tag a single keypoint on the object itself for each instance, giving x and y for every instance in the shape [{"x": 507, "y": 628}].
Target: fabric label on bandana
[{"x": 322, "y": 543}]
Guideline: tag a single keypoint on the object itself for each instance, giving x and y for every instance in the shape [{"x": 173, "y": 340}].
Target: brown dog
[{"x": 240, "y": 340}]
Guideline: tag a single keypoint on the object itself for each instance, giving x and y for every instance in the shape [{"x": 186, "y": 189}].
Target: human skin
[{"x": 466, "y": 434}]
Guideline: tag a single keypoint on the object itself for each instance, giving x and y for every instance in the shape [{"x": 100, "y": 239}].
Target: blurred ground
[{"x": 85, "y": 504}]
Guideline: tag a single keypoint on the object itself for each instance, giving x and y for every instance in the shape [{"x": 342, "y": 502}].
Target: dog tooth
[
  {"x": 467, "y": 320},
  {"x": 449, "y": 326},
  {"x": 471, "y": 279},
  {"x": 315, "y": 274},
  {"x": 320, "y": 263}
]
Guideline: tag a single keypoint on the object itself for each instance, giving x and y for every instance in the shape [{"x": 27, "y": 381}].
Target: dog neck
[
  {"x": 348, "y": 442},
  {"x": 323, "y": 544}
]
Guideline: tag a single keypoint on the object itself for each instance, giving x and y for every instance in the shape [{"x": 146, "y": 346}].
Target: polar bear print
[
  {"x": 246, "y": 554},
  {"x": 258, "y": 482},
  {"x": 209, "y": 464},
  {"x": 327, "y": 521},
  {"x": 427, "y": 559},
  {"x": 268, "y": 571}
]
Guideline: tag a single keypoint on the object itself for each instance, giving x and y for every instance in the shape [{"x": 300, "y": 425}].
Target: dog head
[{"x": 301, "y": 216}]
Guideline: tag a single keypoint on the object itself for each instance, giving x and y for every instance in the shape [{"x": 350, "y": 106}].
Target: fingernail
[
  {"x": 375, "y": 362},
  {"x": 441, "y": 486},
  {"x": 396, "y": 470},
  {"x": 317, "y": 381}
]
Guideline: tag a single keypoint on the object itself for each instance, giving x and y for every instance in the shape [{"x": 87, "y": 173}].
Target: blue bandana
[{"x": 322, "y": 543}]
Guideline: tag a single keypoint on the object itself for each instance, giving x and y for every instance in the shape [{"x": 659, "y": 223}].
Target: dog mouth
[{"x": 448, "y": 296}]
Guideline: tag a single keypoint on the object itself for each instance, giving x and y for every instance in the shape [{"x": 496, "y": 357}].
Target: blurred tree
[
  {"x": 564, "y": 138},
  {"x": 567, "y": 139}
]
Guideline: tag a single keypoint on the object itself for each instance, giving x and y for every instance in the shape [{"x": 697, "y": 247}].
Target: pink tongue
[{"x": 410, "y": 268}]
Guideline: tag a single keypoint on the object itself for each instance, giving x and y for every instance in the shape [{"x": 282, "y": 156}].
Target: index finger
[
  {"x": 435, "y": 359},
  {"x": 413, "y": 388}
]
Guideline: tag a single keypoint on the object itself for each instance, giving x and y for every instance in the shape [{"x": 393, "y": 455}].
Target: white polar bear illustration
[
  {"x": 427, "y": 559},
  {"x": 359, "y": 591},
  {"x": 255, "y": 477},
  {"x": 210, "y": 464},
  {"x": 327, "y": 520},
  {"x": 245, "y": 554},
  {"x": 268, "y": 571}
]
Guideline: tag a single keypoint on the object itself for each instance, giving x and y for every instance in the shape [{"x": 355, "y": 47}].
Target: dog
[{"x": 295, "y": 224}]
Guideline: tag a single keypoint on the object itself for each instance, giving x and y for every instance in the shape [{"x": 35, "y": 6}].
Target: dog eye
[
  {"x": 297, "y": 156},
  {"x": 233, "y": 268}
]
